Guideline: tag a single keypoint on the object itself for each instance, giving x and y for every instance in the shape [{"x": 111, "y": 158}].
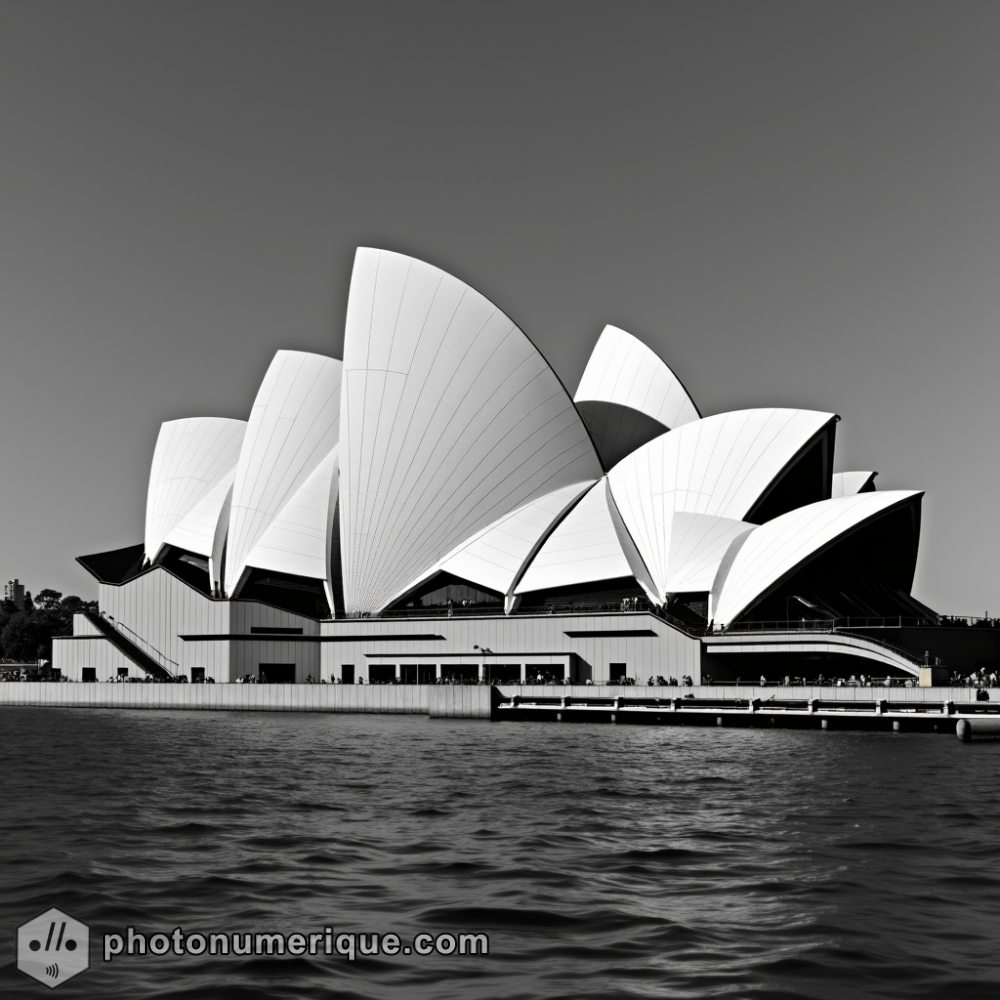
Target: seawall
[
  {"x": 437, "y": 701},
  {"x": 470, "y": 701}
]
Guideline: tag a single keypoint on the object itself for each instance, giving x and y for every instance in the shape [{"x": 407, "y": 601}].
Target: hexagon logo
[{"x": 53, "y": 948}]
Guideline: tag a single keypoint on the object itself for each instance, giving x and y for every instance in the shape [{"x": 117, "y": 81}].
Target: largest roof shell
[{"x": 450, "y": 419}]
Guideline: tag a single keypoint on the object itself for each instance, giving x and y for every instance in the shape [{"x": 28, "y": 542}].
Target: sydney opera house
[{"x": 437, "y": 507}]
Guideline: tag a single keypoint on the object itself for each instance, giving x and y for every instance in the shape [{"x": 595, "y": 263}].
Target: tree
[
  {"x": 48, "y": 600},
  {"x": 31, "y": 630},
  {"x": 29, "y": 636},
  {"x": 73, "y": 605},
  {"x": 7, "y": 611}
]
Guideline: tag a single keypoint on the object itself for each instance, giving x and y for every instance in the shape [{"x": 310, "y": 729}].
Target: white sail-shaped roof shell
[
  {"x": 204, "y": 528},
  {"x": 293, "y": 427},
  {"x": 698, "y": 543},
  {"x": 450, "y": 420},
  {"x": 720, "y": 465},
  {"x": 771, "y": 551},
  {"x": 299, "y": 538},
  {"x": 846, "y": 484},
  {"x": 623, "y": 381},
  {"x": 496, "y": 556},
  {"x": 584, "y": 547},
  {"x": 191, "y": 458}
]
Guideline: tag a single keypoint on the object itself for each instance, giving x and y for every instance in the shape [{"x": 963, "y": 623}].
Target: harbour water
[{"x": 601, "y": 861}]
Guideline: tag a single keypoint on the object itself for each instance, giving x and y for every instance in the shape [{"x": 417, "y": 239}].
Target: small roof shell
[
  {"x": 760, "y": 560},
  {"x": 628, "y": 395},
  {"x": 293, "y": 427},
  {"x": 191, "y": 458}
]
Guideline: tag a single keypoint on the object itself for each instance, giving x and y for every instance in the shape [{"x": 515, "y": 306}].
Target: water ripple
[{"x": 602, "y": 861}]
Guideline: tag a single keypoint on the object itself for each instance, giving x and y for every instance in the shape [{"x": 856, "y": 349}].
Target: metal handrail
[
  {"x": 119, "y": 626},
  {"x": 607, "y": 607},
  {"x": 888, "y": 621},
  {"x": 820, "y": 627},
  {"x": 628, "y": 605}
]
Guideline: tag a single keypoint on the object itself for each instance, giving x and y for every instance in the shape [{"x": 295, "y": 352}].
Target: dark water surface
[{"x": 602, "y": 861}]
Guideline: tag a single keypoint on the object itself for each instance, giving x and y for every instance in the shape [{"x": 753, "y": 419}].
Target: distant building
[{"x": 14, "y": 591}]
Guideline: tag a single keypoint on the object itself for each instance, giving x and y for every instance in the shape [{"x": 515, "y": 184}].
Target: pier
[{"x": 887, "y": 710}]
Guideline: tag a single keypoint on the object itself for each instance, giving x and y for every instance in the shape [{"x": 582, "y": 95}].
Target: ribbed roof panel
[
  {"x": 293, "y": 427},
  {"x": 583, "y": 547},
  {"x": 451, "y": 419},
  {"x": 299, "y": 538},
  {"x": 698, "y": 543},
  {"x": 720, "y": 465},
  {"x": 773, "y": 550},
  {"x": 197, "y": 531},
  {"x": 628, "y": 395},
  {"x": 191, "y": 458}
]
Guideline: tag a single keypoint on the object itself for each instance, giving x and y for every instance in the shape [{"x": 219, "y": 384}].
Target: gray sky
[{"x": 794, "y": 204}]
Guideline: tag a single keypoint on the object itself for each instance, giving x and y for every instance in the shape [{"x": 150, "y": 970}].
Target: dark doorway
[
  {"x": 276, "y": 673},
  {"x": 617, "y": 672},
  {"x": 90, "y": 673},
  {"x": 123, "y": 672},
  {"x": 197, "y": 675},
  {"x": 427, "y": 673},
  {"x": 347, "y": 673}
]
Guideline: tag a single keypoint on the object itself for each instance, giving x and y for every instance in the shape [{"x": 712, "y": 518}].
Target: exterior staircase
[{"x": 127, "y": 647}]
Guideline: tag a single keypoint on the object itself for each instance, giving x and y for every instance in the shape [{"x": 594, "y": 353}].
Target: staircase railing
[
  {"x": 134, "y": 639},
  {"x": 147, "y": 647}
]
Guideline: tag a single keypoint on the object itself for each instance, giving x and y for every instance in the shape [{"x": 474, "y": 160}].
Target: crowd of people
[
  {"x": 954, "y": 621},
  {"x": 978, "y": 679},
  {"x": 981, "y": 680}
]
